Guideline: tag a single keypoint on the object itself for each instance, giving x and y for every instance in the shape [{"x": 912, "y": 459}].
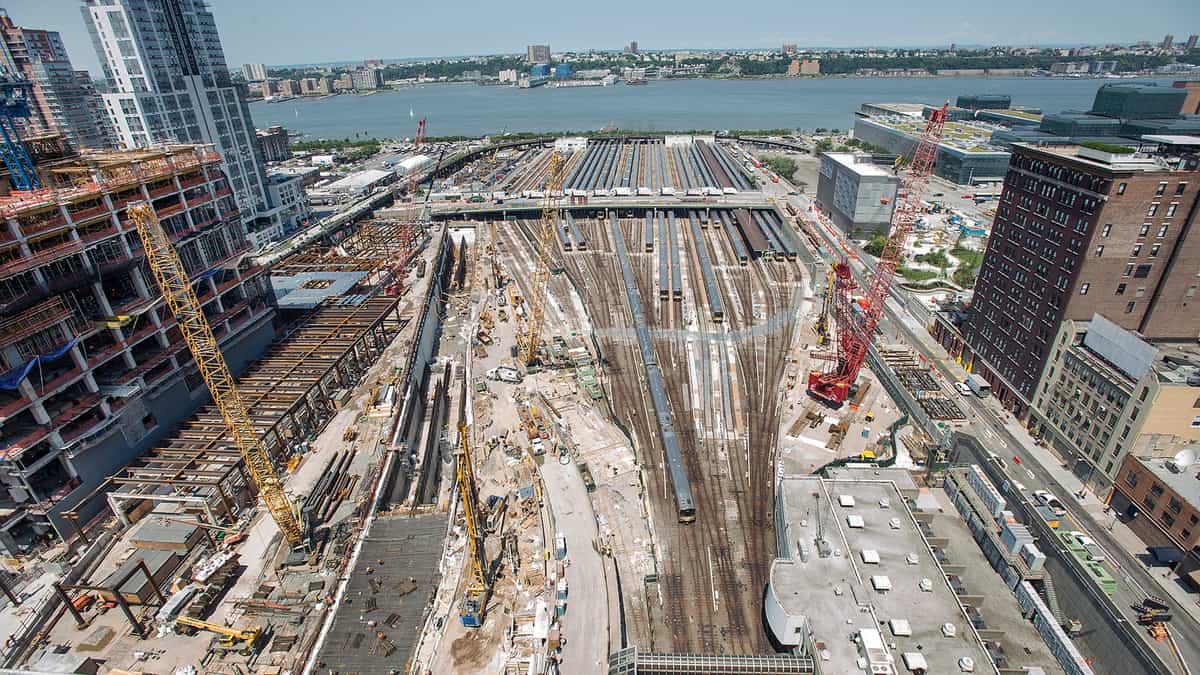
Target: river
[{"x": 474, "y": 110}]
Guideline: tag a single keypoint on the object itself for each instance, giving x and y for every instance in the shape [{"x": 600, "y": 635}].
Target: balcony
[
  {"x": 14, "y": 407},
  {"x": 41, "y": 257},
  {"x": 192, "y": 180},
  {"x": 53, "y": 220}
]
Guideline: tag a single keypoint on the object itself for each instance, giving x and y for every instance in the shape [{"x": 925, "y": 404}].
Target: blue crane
[{"x": 15, "y": 91}]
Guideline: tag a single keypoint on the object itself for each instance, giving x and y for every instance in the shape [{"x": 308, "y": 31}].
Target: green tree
[
  {"x": 875, "y": 244},
  {"x": 784, "y": 166}
]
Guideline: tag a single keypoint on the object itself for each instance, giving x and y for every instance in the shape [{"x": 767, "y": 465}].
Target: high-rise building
[
  {"x": 537, "y": 54},
  {"x": 633, "y": 48},
  {"x": 63, "y": 101},
  {"x": 1191, "y": 42},
  {"x": 367, "y": 78},
  {"x": 788, "y": 49},
  {"x": 164, "y": 62},
  {"x": 274, "y": 142},
  {"x": 254, "y": 72},
  {"x": 1167, "y": 41},
  {"x": 1081, "y": 231},
  {"x": 94, "y": 368}
]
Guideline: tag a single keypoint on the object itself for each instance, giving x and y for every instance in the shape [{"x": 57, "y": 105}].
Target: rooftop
[
  {"x": 835, "y": 530},
  {"x": 859, "y": 164},
  {"x": 1100, "y": 159},
  {"x": 358, "y": 180},
  {"x": 1183, "y": 480},
  {"x": 964, "y": 137}
]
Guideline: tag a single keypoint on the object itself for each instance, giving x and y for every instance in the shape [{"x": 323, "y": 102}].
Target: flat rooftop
[
  {"x": 1185, "y": 483},
  {"x": 875, "y": 571},
  {"x": 973, "y": 138},
  {"x": 306, "y": 290},
  {"x": 859, "y": 164}
]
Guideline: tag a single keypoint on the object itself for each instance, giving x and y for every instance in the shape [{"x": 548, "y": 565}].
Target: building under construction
[{"x": 94, "y": 370}]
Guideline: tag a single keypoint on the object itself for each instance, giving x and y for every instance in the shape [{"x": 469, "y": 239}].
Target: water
[{"x": 473, "y": 110}]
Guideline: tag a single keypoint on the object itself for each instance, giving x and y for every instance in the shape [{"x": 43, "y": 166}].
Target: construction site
[{"x": 538, "y": 433}]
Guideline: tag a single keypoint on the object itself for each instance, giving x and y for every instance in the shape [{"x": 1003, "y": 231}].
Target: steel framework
[
  {"x": 855, "y": 329},
  {"x": 177, "y": 291},
  {"x": 545, "y": 245}
]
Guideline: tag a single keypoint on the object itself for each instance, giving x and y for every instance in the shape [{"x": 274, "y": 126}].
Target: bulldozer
[{"x": 242, "y": 641}]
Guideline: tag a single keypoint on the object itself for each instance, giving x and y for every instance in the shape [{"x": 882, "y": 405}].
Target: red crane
[
  {"x": 420, "y": 133},
  {"x": 858, "y": 321}
]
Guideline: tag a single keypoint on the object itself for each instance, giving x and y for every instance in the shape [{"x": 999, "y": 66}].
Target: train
[{"x": 685, "y": 505}]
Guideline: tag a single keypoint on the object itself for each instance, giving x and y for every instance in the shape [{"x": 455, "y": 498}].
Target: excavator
[{"x": 242, "y": 641}]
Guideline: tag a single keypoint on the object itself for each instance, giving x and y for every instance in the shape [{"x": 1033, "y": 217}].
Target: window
[
  {"x": 1149, "y": 502},
  {"x": 1106, "y": 229},
  {"x": 1196, "y": 422},
  {"x": 1128, "y": 270},
  {"x": 1194, "y": 520},
  {"x": 1185, "y": 533},
  {"x": 1152, "y": 210},
  {"x": 1129, "y": 307},
  {"x": 1137, "y": 250},
  {"x": 1175, "y": 505},
  {"x": 1083, "y": 288},
  {"x": 1120, "y": 289},
  {"x": 1121, "y": 188},
  {"x": 1180, "y": 188},
  {"x": 1162, "y": 231},
  {"x": 1162, "y": 187},
  {"x": 1143, "y": 393},
  {"x": 1167, "y": 519},
  {"x": 1154, "y": 250},
  {"x": 1156, "y": 489},
  {"x": 1100, "y": 250},
  {"x": 1142, "y": 271},
  {"x": 1144, "y": 229},
  {"x": 1171, "y": 209},
  {"x": 1131, "y": 479}
]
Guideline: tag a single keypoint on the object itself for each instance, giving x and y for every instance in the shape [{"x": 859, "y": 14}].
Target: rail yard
[{"x": 536, "y": 422}]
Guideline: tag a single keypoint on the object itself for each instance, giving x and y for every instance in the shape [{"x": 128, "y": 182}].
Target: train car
[{"x": 649, "y": 232}]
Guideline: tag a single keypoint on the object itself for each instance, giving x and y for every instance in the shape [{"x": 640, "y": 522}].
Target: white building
[
  {"x": 287, "y": 191},
  {"x": 164, "y": 62},
  {"x": 254, "y": 72},
  {"x": 509, "y": 75}
]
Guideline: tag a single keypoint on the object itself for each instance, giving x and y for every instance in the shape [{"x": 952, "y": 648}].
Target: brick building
[{"x": 1077, "y": 232}]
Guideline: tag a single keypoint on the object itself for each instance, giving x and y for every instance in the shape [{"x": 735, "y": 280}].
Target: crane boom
[
  {"x": 479, "y": 586},
  {"x": 176, "y": 288},
  {"x": 855, "y": 328},
  {"x": 541, "y": 274}
]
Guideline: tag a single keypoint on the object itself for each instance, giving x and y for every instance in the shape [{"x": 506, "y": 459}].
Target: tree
[
  {"x": 824, "y": 145},
  {"x": 875, "y": 244},
  {"x": 784, "y": 166}
]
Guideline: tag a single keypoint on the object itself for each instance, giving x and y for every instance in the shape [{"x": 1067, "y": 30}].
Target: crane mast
[
  {"x": 479, "y": 584},
  {"x": 177, "y": 291},
  {"x": 855, "y": 329},
  {"x": 541, "y": 275}
]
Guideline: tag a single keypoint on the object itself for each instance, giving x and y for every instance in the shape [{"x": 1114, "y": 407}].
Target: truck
[
  {"x": 979, "y": 385},
  {"x": 505, "y": 374}
]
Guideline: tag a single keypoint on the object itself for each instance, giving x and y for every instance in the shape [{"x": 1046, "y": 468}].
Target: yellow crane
[
  {"x": 826, "y": 305},
  {"x": 541, "y": 274},
  {"x": 479, "y": 583},
  {"x": 176, "y": 287},
  {"x": 230, "y": 637}
]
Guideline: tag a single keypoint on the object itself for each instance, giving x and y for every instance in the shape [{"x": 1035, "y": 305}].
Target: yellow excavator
[{"x": 243, "y": 641}]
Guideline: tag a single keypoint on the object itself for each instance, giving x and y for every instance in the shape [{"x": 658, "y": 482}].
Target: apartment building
[
  {"x": 64, "y": 100},
  {"x": 274, "y": 142},
  {"x": 94, "y": 369},
  {"x": 1160, "y": 499},
  {"x": 1080, "y": 231},
  {"x": 1105, "y": 387},
  {"x": 254, "y": 72}
]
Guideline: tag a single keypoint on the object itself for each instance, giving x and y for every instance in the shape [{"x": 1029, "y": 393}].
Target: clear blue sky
[{"x": 314, "y": 31}]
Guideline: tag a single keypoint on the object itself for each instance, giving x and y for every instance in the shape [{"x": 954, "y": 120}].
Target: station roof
[{"x": 830, "y": 584}]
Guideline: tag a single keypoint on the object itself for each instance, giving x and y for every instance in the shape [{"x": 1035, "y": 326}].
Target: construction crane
[
  {"x": 176, "y": 288},
  {"x": 420, "y": 134},
  {"x": 231, "y": 638},
  {"x": 541, "y": 274},
  {"x": 15, "y": 92},
  {"x": 857, "y": 322},
  {"x": 826, "y": 306},
  {"x": 479, "y": 582}
]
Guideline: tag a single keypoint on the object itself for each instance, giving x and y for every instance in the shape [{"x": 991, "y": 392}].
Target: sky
[{"x": 279, "y": 32}]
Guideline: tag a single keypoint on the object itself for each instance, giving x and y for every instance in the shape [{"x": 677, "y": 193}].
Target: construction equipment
[
  {"x": 15, "y": 92},
  {"x": 244, "y": 641},
  {"x": 420, "y": 134},
  {"x": 177, "y": 291},
  {"x": 857, "y": 322},
  {"x": 826, "y": 305},
  {"x": 541, "y": 275},
  {"x": 479, "y": 584}
]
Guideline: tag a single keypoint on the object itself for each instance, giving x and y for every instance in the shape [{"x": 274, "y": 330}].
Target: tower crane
[
  {"x": 176, "y": 287},
  {"x": 857, "y": 323},
  {"x": 479, "y": 580},
  {"x": 541, "y": 274},
  {"x": 15, "y": 92}
]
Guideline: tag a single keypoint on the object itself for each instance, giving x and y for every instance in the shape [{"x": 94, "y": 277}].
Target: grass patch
[{"x": 916, "y": 276}]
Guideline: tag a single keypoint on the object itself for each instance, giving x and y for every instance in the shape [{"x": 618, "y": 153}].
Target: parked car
[
  {"x": 962, "y": 388},
  {"x": 1050, "y": 501}
]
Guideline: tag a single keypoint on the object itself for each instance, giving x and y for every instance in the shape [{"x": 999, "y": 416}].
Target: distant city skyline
[{"x": 314, "y": 31}]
